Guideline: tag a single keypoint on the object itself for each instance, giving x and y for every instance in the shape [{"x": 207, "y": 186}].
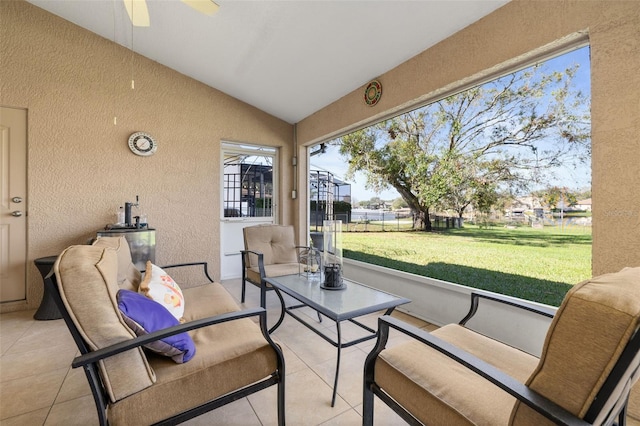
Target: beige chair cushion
[
  {"x": 206, "y": 301},
  {"x": 603, "y": 312},
  {"x": 277, "y": 270},
  {"x": 275, "y": 242},
  {"x": 440, "y": 391},
  {"x": 87, "y": 279},
  {"x": 128, "y": 276},
  {"x": 229, "y": 356}
]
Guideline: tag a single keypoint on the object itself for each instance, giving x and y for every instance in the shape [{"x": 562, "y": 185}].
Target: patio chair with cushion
[
  {"x": 269, "y": 251},
  {"x": 455, "y": 376},
  {"x": 200, "y": 350}
]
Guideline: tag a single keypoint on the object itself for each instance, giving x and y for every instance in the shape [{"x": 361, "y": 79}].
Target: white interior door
[
  {"x": 13, "y": 214},
  {"x": 249, "y": 197}
]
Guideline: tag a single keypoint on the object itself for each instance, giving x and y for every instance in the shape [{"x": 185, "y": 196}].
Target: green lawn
[{"x": 534, "y": 264}]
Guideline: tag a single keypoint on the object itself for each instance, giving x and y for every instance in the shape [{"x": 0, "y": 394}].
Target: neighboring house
[{"x": 584, "y": 205}]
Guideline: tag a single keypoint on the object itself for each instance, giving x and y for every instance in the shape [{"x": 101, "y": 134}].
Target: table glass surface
[{"x": 346, "y": 303}]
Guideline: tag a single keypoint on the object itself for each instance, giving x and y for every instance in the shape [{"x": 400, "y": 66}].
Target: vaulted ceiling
[{"x": 287, "y": 58}]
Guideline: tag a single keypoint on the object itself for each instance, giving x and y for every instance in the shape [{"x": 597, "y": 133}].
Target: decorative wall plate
[
  {"x": 141, "y": 143},
  {"x": 372, "y": 93}
]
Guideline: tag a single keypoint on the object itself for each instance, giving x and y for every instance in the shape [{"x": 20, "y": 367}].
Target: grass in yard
[{"x": 533, "y": 264}]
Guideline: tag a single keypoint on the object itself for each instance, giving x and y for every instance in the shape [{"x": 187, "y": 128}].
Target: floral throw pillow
[{"x": 157, "y": 285}]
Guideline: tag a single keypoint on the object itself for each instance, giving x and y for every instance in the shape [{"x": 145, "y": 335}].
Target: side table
[{"x": 48, "y": 309}]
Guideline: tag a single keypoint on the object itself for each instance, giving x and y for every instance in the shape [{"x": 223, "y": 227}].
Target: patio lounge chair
[{"x": 455, "y": 376}]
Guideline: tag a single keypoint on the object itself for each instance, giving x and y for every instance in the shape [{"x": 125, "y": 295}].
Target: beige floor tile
[
  {"x": 11, "y": 319},
  {"x": 293, "y": 363},
  {"x": 348, "y": 418},
  {"x": 311, "y": 348},
  {"x": 76, "y": 412},
  {"x": 52, "y": 335},
  {"x": 13, "y": 326},
  {"x": 75, "y": 385},
  {"x": 31, "y": 393},
  {"x": 308, "y": 401},
  {"x": 35, "y": 362},
  {"x": 351, "y": 331},
  {"x": 32, "y": 418},
  {"x": 350, "y": 377},
  {"x": 8, "y": 338},
  {"x": 238, "y": 413}
]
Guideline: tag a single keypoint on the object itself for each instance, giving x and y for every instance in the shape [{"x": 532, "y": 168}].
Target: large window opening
[{"x": 492, "y": 185}]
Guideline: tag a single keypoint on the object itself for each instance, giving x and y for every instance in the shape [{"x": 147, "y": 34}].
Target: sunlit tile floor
[{"x": 38, "y": 387}]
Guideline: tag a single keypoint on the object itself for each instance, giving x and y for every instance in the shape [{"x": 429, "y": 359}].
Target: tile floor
[{"x": 38, "y": 387}]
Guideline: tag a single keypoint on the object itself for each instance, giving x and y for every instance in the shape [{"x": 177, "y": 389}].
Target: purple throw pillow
[{"x": 144, "y": 316}]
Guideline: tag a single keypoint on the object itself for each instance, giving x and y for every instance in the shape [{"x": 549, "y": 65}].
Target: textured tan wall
[
  {"x": 79, "y": 166},
  {"x": 73, "y": 82},
  {"x": 518, "y": 30}
]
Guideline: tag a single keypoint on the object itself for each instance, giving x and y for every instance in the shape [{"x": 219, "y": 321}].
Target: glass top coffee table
[{"x": 353, "y": 301}]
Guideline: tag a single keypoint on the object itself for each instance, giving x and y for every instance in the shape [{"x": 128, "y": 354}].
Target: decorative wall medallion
[
  {"x": 372, "y": 93},
  {"x": 141, "y": 143}
]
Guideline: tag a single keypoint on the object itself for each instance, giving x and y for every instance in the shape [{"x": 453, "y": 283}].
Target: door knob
[
  {"x": 16, "y": 213},
  {"x": 16, "y": 200}
]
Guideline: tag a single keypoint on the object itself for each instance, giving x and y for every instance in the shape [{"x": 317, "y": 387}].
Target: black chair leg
[
  {"x": 367, "y": 407},
  {"x": 244, "y": 286}
]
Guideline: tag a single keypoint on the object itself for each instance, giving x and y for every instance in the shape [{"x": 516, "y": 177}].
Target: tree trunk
[
  {"x": 421, "y": 220},
  {"x": 420, "y": 214}
]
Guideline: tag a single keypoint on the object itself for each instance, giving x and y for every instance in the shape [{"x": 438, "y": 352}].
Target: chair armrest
[
  {"x": 205, "y": 267},
  {"x": 542, "y": 405},
  {"x": 102, "y": 353},
  {"x": 260, "y": 261},
  {"x": 475, "y": 302}
]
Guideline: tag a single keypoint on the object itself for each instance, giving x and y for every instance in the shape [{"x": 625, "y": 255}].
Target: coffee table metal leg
[
  {"x": 283, "y": 310},
  {"x": 335, "y": 380}
]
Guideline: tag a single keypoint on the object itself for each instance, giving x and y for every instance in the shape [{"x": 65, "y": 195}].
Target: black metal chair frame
[
  {"x": 544, "y": 406},
  {"x": 264, "y": 287},
  {"x": 89, "y": 359}
]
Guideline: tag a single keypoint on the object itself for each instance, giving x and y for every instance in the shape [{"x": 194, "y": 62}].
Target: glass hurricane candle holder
[{"x": 332, "y": 254}]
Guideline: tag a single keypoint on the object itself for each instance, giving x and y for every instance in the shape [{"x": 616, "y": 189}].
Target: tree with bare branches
[{"x": 457, "y": 151}]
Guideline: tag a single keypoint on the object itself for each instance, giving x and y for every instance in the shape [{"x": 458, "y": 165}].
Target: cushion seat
[
  {"x": 224, "y": 352},
  {"x": 275, "y": 270},
  {"x": 438, "y": 390},
  {"x": 206, "y": 301}
]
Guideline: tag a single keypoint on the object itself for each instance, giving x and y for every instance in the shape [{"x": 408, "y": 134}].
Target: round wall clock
[
  {"x": 141, "y": 143},
  {"x": 372, "y": 93}
]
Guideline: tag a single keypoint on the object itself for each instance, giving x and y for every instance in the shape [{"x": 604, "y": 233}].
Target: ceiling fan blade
[
  {"x": 208, "y": 7},
  {"x": 138, "y": 12}
]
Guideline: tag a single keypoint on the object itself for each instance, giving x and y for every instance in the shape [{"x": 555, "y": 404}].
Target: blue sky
[{"x": 570, "y": 175}]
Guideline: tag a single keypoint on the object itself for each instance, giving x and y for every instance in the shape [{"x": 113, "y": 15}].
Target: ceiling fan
[{"x": 139, "y": 14}]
